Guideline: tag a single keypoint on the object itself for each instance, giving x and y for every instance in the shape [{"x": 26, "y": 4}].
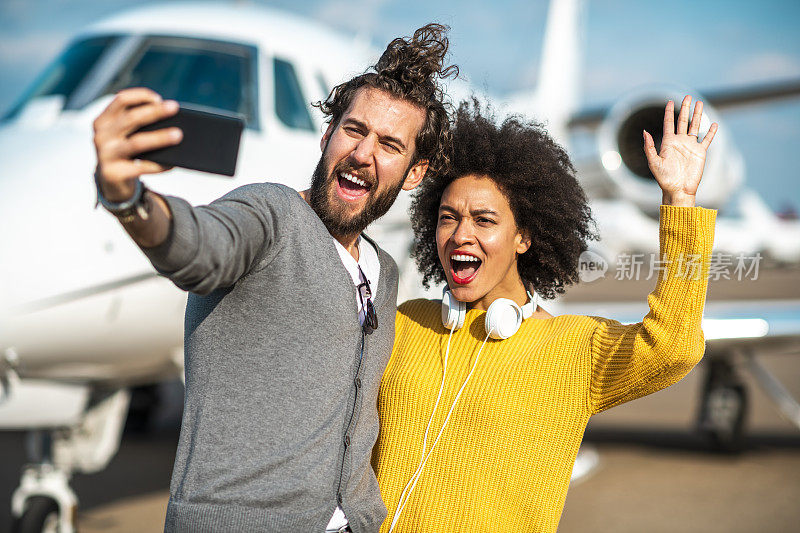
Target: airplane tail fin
[
  {"x": 557, "y": 92},
  {"x": 559, "y": 71}
]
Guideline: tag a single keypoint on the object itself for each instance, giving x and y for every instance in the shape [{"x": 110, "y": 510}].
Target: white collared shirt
[{"x": 368, "y": 261}]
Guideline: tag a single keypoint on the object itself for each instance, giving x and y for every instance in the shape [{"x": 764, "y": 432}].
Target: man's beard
[{"x": 334, "y": 217}]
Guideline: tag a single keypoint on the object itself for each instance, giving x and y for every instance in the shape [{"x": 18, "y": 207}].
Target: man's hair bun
[{"x": 418, "y": 63}]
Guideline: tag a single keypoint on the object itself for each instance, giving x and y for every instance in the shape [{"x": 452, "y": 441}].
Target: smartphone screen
[{"x": 210, "y": 141}]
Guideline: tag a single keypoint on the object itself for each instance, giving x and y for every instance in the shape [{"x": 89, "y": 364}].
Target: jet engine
[{"x": 620, "y": 145}]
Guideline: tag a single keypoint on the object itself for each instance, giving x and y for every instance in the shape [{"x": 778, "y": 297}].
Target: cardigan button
[
  {"x": 347, "y": 440},
  {"x": 358, "y": 382},
  {"x": 339, "y": 498}
]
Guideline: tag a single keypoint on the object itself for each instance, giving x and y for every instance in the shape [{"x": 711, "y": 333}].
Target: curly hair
[
  {"x": 537, "y": 178},
  {"x": 410, "y": 69}
]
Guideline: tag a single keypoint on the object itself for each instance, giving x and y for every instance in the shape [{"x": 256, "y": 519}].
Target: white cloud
[
  {"x": 360, "y": 16},
  {"x": 14, "y": 11},
  {"x": 765, "y": 66}
]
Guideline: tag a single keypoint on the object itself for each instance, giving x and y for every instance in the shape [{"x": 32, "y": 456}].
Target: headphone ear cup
[
  {"x": 503, "y": 318},
  {"x": 453, "y": 312}
]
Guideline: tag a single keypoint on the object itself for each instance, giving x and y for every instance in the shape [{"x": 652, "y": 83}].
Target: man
[{"x": 282, "y": 369}]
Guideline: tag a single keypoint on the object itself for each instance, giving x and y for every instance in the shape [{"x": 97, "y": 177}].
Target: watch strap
[{"x": 127, "y": 210}]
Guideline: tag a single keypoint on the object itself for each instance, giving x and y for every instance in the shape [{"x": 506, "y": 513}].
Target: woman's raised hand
[{"x": 679, "y": 166}]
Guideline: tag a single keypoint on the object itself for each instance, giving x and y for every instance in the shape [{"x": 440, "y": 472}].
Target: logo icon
[{"x": 591, "y": 266}]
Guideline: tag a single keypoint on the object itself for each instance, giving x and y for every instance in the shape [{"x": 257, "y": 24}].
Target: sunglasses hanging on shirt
[{"x": 365, "y": 294}]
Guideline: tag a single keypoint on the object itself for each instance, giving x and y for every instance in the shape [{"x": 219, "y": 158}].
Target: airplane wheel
[
  {"x": 40, "y": 516},
  {"x": 723, "y": 408}
]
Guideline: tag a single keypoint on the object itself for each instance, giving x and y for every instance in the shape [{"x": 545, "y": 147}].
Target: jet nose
[{"x": 53, "y": 241}]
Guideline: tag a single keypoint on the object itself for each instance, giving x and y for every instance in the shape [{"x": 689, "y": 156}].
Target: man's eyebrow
[{"x": 359, "y": 124}]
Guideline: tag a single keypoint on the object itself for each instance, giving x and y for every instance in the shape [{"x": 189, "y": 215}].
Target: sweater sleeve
[
  {"x": 631, "y": 361},
  {"x": 213, "y": 246}
]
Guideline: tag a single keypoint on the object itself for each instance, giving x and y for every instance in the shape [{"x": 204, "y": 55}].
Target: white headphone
[{"x": 503, "y": 318}]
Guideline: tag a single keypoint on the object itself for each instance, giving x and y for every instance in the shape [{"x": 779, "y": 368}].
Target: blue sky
[{"x": 704, "y": 45}]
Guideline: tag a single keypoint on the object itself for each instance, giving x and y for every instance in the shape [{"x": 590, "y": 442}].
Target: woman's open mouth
[{"x": 464, "y": 267}]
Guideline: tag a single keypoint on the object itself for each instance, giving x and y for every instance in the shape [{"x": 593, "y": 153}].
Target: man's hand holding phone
[
  {"x": 118, "y": 142},
  {"x": 140, "y": 133}
]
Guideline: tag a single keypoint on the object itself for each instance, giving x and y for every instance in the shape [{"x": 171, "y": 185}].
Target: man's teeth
[
  {"x": 350, "y": 177},
  {"x": 461, "y": 257}
]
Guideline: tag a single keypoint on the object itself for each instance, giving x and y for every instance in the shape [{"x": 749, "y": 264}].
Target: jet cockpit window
[
  {"x": 290, "y": 104},
  {"x": 67, "y": 72},
  {"x": 202, "y": 72}
]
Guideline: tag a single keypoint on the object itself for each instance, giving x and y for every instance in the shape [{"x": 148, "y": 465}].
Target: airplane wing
[
  {"x": 728, "y": 98},
  {"x": 736, "y": 333},
  {"x": 760, "y": 325}
]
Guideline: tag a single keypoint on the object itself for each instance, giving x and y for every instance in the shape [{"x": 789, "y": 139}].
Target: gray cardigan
[{"x": 280, "y": 407}]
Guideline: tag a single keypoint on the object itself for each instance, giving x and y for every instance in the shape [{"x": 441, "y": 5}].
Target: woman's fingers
[
  {"x": 683, "y": 116},
  {"x": 650, "y": 148},
  {"x": 694, "y": 127},
  {"x": 710, "y": 135},
  {"x": 669, "y": 120}
]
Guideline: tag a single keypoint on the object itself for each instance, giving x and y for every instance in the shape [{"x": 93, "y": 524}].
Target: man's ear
[
  {"x": 415, "y": 175},
  {"x": 323, "y": 143}
]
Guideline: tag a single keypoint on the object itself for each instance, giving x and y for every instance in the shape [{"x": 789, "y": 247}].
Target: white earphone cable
[
  {"x": 400, "y": 503},
  {"x": 415, "y": 477},
  {"x": 438, "y": 397}
]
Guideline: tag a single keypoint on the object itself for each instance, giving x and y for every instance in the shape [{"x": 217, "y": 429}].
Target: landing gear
[
  {"x": 723, "y": 407},
  {"x": 44, "y": 501},
  {"x": 41, "y": 515}
]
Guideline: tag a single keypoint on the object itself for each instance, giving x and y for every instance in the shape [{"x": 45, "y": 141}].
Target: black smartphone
[{"x": 210, "y": 140}]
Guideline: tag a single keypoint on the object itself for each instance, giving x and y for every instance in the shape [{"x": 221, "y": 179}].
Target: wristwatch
[{"x": 127, "y": 210}]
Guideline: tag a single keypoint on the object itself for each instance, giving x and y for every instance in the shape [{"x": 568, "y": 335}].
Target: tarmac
[{"x": 656, "y": 473}]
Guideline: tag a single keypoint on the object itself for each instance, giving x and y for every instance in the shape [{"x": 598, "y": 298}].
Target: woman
[{"x": 481, "y": 434}]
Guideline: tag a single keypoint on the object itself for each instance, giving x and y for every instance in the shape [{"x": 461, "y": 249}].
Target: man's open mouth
[
  {"x": 464, "y": 267},
  {"x": 351, "y": 187}
]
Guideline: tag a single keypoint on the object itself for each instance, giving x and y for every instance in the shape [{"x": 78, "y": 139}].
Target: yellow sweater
[{"x": 505, "y": 458}]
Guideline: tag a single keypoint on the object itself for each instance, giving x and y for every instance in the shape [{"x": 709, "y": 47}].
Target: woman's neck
[{"x": 513, "y": 290}]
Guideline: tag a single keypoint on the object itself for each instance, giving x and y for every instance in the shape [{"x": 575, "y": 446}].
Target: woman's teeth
[
  {"x": 350, "y": 177},
  {"x": 464, "y": 267},
  {"x": 462, "y": 257}
]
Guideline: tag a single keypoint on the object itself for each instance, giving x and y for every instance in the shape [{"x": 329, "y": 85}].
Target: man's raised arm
[
  {"x": 199, "y": 248},
  {"x": 147, "y": 221}
]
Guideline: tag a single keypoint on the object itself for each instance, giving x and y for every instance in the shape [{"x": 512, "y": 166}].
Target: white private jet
[{"x": 83, "y": 316}]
